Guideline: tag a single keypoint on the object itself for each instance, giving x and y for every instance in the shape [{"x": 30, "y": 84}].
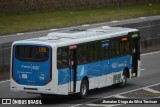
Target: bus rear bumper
[{"x": 31, "y": 89}]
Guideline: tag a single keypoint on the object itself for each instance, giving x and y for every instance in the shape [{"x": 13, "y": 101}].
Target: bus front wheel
[{"x": 83, "y": 89}]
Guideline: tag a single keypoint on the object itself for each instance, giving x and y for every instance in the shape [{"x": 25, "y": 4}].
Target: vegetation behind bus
[{"x": 23, "y": 22}]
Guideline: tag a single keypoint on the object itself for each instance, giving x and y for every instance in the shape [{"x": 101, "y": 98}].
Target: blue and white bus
[{"x": 75, "y": 61}]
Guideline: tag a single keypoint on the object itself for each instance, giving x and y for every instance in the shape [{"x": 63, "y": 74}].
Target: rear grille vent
[{"x": 30, "y": 88}]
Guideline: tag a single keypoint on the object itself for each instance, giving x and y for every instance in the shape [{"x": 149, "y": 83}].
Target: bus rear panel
[{"x": 31, "y": 64}]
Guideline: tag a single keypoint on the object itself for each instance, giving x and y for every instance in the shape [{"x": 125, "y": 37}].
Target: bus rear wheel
[{"x": 83, "y": 89}]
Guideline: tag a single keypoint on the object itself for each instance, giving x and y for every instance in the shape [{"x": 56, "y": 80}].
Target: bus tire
[
  {"x": 124, "y": 80},
  {"x": 83, "y": 89}
]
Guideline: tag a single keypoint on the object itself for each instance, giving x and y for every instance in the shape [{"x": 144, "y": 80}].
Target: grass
[{"x": 62, "y": 18}]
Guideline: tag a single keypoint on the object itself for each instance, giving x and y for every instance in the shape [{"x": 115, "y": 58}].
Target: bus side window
[
  {"x": 59, "y": 58},
  {"x": 84, "y": 58},
  {"x": 115, "y": 47},
  {"x": 104, "y": 49},
  {"x": 96, "y": 51},
  {"x": 124, "y": 47},
  {"x": 82, "y": 53},
  {"x": 62, "y": 57},
  {"x": 90, "y": 52}
]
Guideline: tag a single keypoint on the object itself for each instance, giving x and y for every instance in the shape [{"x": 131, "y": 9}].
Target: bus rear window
[{"x": 31, "y": 53}]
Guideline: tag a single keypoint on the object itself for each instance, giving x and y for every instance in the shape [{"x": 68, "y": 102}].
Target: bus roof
[{"x": 75, "y": 36}]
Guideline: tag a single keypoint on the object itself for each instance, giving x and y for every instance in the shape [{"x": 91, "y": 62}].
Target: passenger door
[
  {"x": 135, "y": 52},
  {"x": 73, "y": 68}
]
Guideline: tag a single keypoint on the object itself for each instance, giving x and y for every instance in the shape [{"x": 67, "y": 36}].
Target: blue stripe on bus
[{"x": 95, "y": 69}]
